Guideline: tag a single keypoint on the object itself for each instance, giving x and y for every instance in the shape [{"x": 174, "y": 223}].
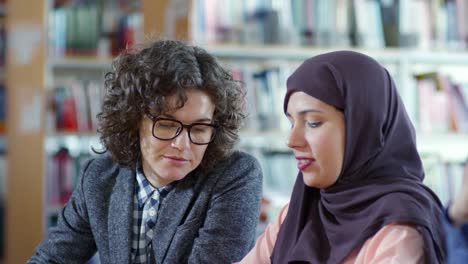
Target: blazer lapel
[
  {"x": 171, "y": 214},
  {"x": 120, "y": 217}
]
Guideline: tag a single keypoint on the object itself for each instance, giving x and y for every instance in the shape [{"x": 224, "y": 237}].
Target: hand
[{"x": 458, "y": 211}]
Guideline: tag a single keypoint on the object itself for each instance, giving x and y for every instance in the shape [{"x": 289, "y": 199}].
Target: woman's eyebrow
[
  {"x": 306, "y": 111},
  {"x": 309, "y": 111},
  {"x": 203, "y": 119}
]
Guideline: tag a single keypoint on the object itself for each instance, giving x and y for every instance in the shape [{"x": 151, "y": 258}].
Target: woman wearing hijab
[{"x": 358, "y": 197}]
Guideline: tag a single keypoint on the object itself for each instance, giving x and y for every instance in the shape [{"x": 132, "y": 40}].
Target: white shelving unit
[
  {"x": 80, "y": 63},
  {"x": 58, "y": 69},
  {"x": 404, "y": 61},
  {"x": 76, "y": 142},
  {"x": 389, "y": 55},
  {"x": 450, "y": 146},
  {"x": 270, "y": 145}
]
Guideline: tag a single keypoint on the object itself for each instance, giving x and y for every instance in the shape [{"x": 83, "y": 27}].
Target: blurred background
[{"x": 54, "y": 54}]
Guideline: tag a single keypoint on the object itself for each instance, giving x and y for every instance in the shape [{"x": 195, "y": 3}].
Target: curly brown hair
[{"x": 142, "y": 79}]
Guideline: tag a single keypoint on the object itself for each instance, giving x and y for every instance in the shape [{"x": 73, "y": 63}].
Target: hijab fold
[{"x": 381, "y": 178}]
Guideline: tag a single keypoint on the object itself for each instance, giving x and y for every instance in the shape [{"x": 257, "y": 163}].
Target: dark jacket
[{"x": 204, "y": 219}]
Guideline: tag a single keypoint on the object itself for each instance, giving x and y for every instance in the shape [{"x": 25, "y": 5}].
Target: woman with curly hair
[{"x": 172, "y": 189}]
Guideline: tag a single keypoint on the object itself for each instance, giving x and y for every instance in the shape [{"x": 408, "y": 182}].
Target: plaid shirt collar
[
  {"x": 145, "y": 190},
  {"x": 146, "y": 199}
]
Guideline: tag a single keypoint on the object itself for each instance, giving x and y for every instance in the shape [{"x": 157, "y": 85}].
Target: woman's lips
[
  {"x": 176, "y": 160},
  {"x": 303, "y": 163}
]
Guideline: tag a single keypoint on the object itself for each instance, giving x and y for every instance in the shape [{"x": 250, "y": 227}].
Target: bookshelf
[
  {"x": 289, "y": 52},
  {"x": 451, "y": 147},
  {"x": 3, "y": 147},
  {"x": 408, "y": 37},
  {"x": 29, "y": 82},
  {"x": 28, "y": 210},
  {"x": 269, "y": 144},
  {"x": 403, "y": 59},
  {"x": 25, "y": 160},
  {"x": 80, "y": 63}
]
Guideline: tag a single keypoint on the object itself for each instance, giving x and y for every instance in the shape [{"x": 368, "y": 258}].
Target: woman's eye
[{"x": 314, "y": 124}]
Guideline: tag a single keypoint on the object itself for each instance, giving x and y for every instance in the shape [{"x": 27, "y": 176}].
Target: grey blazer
[{"x": 204, "y": 219}]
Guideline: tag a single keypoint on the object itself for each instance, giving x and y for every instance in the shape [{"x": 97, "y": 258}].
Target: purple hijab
[{"x": 381, "y": 178}]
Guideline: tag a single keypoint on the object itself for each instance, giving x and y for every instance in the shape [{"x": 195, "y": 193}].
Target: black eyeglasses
[{"x": 168, "y": 129}]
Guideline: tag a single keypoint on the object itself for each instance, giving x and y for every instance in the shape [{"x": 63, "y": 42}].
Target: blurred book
[
  {"x": 442, "y": 104},
  {"x": 339, "y": 23},
  {"x": 74, "y": 104}
]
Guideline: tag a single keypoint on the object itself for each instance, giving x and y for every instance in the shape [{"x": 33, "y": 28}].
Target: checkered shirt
[{"x": 145, "y": 212}]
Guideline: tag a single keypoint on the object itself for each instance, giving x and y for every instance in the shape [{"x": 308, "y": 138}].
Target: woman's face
[
  {"x": 165, "y": 161},
  {"x": 317, "y": 138}
]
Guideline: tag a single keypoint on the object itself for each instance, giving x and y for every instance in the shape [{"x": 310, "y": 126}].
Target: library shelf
[
  {"x": 451, "y": 147},
  {"x": 387, "y": 55},
  {"x": 79, "y": 62}
]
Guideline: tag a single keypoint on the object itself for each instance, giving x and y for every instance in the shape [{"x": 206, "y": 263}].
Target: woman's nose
[{"x": 182, "y": 141}]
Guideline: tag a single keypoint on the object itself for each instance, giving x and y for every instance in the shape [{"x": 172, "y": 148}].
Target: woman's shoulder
[
  {"x": 396, "y": 241},
  {"x": 399, "y": 232},
  {"x": 239, "y": 156},
  {"x": 239, "y": 170},
  {"x": 101, "y": 168},
  {"x": 239, "y": 162},
  {"x": 99, "y": 163}
]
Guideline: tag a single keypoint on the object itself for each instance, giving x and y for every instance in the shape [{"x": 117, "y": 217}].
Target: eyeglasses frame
[{"x": 182, "y": 126}]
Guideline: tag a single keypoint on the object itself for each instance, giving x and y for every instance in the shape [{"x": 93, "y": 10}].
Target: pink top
[{"x": 394, "y": 243}]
